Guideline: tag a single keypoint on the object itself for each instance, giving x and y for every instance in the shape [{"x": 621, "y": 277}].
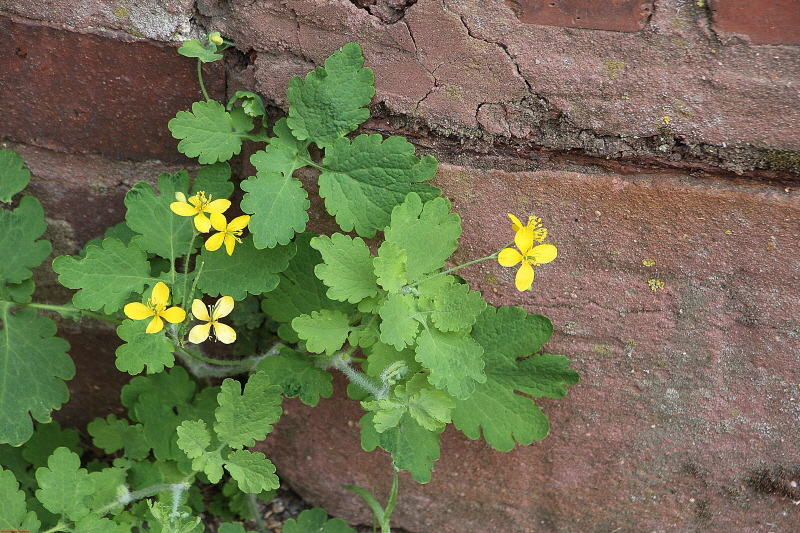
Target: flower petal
[
  {"x": 202, "y": 223},
  {"x": 199, "y": 333},
  {"x": 508, "y": 257},
  {"x": 179, "y": 196},
  {"x": 224, "y": 333},
  {"x": 524, "y": 239},
  {"x": 222, "y": 308},
  {"x": 218, "y": 222},
  {"x": 173, "y": 315},
  {"x": 516, "y": 224},
  {"x": 155, "y": 325},
  {"x": 544, "y": 253},
  {"x": 230, "y": 242},
  {"x": 199, "y": 310},
  {"x": 182, "y": 209},
  {"x": 160, "y": 293},
  {"x": 218, "y": 206},
  {"x": 239, "y": 223},
  {"x": 524, "y": 278},
  {"x": 215, "y": 241},
  {"x": 137, "y": 311}
]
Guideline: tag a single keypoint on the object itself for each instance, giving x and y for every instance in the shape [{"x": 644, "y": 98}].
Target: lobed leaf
[
  {"x": 153, "y": 350},
  {"x": 209, "y": 132},
  {"x": 64, "y": 485},
  {"x": 316, "y": 521},
  {"x": 252, "y": 470},
  {"x": 454, "y": 361},
  {"x": 14, "y": 514},
  {"x": 347, "y": 267},
  {"x": 399, "y": 320},
  {"x": 298, "y": 376},
  {"x": 13, "y": 175},
  {"x": 324, "y": 331},
  {"x": 194, "y": 48},
  {"x": 193, "y": 438},
  {"x": 390, "y": 267},
  {"x": 19, "y": 230},
  {"x": 112, "y": 434},
  {"x": 413, "y": 447},
  {"x": 245, "y": 417},
  {"x": 214, "y": 180},
  {"x": 453, "y": 306},
  {"x": 45, "y": 439}
]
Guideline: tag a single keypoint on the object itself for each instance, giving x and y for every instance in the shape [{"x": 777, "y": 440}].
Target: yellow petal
[
  {"x": 180, "y": 197},
  {"x": 218, "y": 206},
  {"x": 239, "y": 223},
  {"x": 160, "y": 293},
  {"x": 524, "y": 239},
  {"x": 199, "y": 333},
  {"x": 199, "y": 310},
  {"x": 516, "y": 224},
  {"x": 155, "y": 325},
  {"x": 137, "y": 311},
  {"x": 222, "y": 308},
  {"x": 196, "y": 201},
  {"x": 215, "y": 241},
  {"x": 524, "y": 278},
  {"x": 508, "y": 257},
  {"x": 183, "y": 209},
  {"x": 202, "y": 223},
  {"x": 544, "y": 253},
  {"x": 230, "y": 242},
  {"x": 218, "y": 222},
  {"x": 224, "y": 333},
  {"x": 173, "y": 315}
]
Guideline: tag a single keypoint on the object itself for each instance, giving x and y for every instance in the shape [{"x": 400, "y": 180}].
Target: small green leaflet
[
  {"x": 454, "y": 360},
  {"x": 390, "y": 267},
  {"x": 106, "y": 277},
  {"x": 399, "y": 324},
  {"x": 251, "y": 103},
  {"x": 194, "y": 438},
  {"x": 507, "y": 334},
  {"x": 252, "y": 470},
  {"x": 14, "y": 514},
  {"x": 381, "y": 356},
  {"x": 298, "y": 376},
  {"x": 214, "y": 180},
  {"x": 13, "y": 175},
  {"x": 19, "y": 230},
  {"x": 429, "y": 407},
  {"x": 64, "y": 485},
  {"x": 161, "y": 231},
  {"x": 248, "y": 270},
  {"x": 243, "y": 418},
  {"x": 331, "y": 101},
  {"x": 324, "y": 331},
  {"x": 413, "y": 447},
  {"x": 45, "y": 439},
  {"x": 210, "y": 132},
  {"x": 153, "y": 350},
  {"x": 316, "y": 521},
  {"x": 33, "y": 365},
  {"x": 112, "y": 434},
  {"x": 452, "y": 306},
  {"x": 347, "y": 267},
  {"x": 193, "y": 48},
  {"x": 362, "y": 182},
  {"x": 427, "y": 232}
]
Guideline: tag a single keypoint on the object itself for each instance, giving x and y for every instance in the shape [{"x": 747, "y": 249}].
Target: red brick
[
  {"x": 761, "y": 21},
  {"x": 615, "y": 15},
  {"x": 84, "y": 93}
]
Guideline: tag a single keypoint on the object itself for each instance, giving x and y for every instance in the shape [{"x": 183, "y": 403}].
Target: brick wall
[{"x": 663, "y": 130}]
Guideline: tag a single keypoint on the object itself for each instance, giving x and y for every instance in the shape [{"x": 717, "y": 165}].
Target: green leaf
[
  {"x": 14, "y": 514},
  {"x": 390, "y": 267},
  {"x": 209, "y": 132},
  {"x": 381, "y": 356},
  {"x": 64, "y": 485},
  {"x": 112, "y": 434},
  {"x": 362, "y": 182},
  {"x": 506, "y": 334},
  {"x": 19, "y": 230},
  {"x": 252, "y": 470},
  {"x": 399, "y": 324},
  {"x": 251, "y": 103},
  {"x": 324, "y": 331},
  {"x": 107, "y": 483},
  {"x": 331, "y": 101},
  {"x": 193, "y": 438},
  {"x": 427, "y": 232},
  {"x": 284, "y": 153},
  {"x": 347, "y": 267},
  {"x": 95, "y": 524},
  {"x": 214, "y": 180},
  {"x": 153, "y": 350},
  {"x": 33, "y": 365},
  {"x": 193, "y": 48},
  {"x": 13, "y": 175},
  {"x": 162, "y": 232},
  {"x": 298, "y": 376},
  {"x": 21, "y": 292},
  {"x": 413, "y": 447},
  {"x": 453, "y": 306},
  {"x": 454, "y": 361},
  {"x": 248, "y": 270},
  {"x": 243, "y": 418},
  {"x": 300, "y": 291},
  {"x": 316, "y": 521},
  {"x": 429, "y": 407},
  {"x": 46, "y": 438},
  {"x": 106, "y": 277}
]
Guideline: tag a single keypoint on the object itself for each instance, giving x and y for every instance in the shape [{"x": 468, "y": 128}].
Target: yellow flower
[
  {"x": 528, "y": 254},
  {"x": 228, "y": 232},
  {"x": 534, "y": 224},
  {"x": 211, "y": 316},
  {"x": 215, "y": 38},
  {"x": 196, "y": 206},
  {"x": 156, "y": 307}
]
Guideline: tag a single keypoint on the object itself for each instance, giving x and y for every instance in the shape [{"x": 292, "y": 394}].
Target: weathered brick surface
[
  {"x": 621, "y": 15},
  {"x": 90, "y": 94},
  {"x": 687, "y": 417},
  {"x": 760, "y": 21}
]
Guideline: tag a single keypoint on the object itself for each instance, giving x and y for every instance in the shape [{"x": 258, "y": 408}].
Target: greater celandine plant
[{"x": 420, "y": 348}]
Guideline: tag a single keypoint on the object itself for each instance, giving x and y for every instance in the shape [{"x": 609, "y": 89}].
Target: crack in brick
[{"x": 387, "y": 11}]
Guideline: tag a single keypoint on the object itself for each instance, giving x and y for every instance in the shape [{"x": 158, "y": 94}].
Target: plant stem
[
  {"x": 468, "y": 263},
  {"x": 69, "y": 309},
  {"x": 200, "y": 79},
  {"x": 252, "y": 504}
]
